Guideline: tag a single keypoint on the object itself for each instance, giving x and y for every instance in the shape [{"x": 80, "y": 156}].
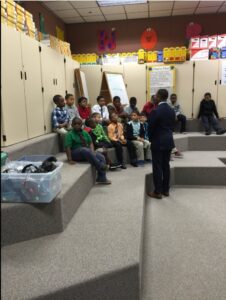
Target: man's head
[
  {"x": 173, "y": 98},
  {"x": 143, "y": 118},
  {"x": 114, "y": 118},
  {"x": 96, "y": 117},
  {"x": 161, "y": 95},
  {"x": 76, "y": 124},
  {"x": 117, "y": 101},
  {"x": 207, "y": 96},
  {"x": 90, "y": 123},
  {"x": 133, "y": 102},
  {"x": 59, "y": 100},
  {"x": 101, "y": 101},
  {"x": 82, "y": 101},
  {"x": 70, "y": 99},
  {"x": 134, "y": 117}
]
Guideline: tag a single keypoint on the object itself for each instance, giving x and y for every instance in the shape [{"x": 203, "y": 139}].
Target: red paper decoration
[
  {"x": 106, "y": 41},
  {"x": 148, "y": 39},
  {"x": 193, "y": 29}
]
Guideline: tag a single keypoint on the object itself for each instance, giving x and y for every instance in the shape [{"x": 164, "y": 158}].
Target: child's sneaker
[
  {"x": 140, "y": 163},
  {"x": 177, "y": 154}
]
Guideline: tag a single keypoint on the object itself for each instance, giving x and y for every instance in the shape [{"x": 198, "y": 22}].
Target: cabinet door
[
  {"x": 184, "y": 87},
  {"x": 135, "y": 80},
  {"x": 14, "y": 118},
  {"x": 205, "y": 80},
  {"x": 70, "y": 66},
  {"x": 59, "y": 73},
  {"x": 221, "y": 103},
  {"x": 93, "y": 80},
  {"x": 48, "y": 65},
  {"x": 33, "y": 86}
]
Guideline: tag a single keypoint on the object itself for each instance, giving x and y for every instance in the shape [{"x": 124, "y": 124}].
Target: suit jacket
[
  {"x": 160, "y": 127},
  {"x": 129, "y": 132}
]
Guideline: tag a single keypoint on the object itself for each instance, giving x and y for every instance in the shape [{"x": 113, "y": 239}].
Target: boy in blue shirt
[
  {"x": 60, "y": 117},
  {"x": 71, "y": 108}
]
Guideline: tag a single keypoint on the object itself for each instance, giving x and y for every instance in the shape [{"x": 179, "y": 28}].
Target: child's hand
[
  {"x": 71, "y": 162},
  {"x": 123, "y": 142}
]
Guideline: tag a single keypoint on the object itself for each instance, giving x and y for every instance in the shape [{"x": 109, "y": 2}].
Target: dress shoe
[
  {"x": 166, "y": 194},
  {"x": 221, "y": 132},
  {"x": 123, "y": 167},
  {"x": 154, "y": 195},
  {"x": 208, "y": 133}
]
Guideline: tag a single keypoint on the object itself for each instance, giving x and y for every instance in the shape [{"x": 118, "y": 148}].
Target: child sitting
[
  {"x": 71, "y": 108},
  {"x": 116, "y": 136},
  {"x": 143, "y": 121},
  {"x": 79, "y": 147},
  {"x": 102, "y": 109},
  {"x": 135, "y": 133},
  {"x": 132, "y": 107},
  {"x": 83, "y": 108},
  {"x": 60, "y": 117},
  {"x": 100, "y": 140}
]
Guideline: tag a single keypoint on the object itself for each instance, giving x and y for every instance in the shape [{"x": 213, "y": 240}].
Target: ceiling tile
[
  {"x": 136, "y": 8},
  {"x": 161, "y": 5},
  {"x": 89, "y": 11},
  {"x": 138, "y": 15},
  {"x": 73, "y": 20},
  {"x": 210, "y": 3},
  {"x": 98, "y": 18},
  {"x": 84, "y": 4},
  {"x": 185, "y": 4},
  {"x": 222, "y": 9},
  {"x": 69, "y": 13},
  {"x": 57, "y": 5},
  {"x": 180, "y": 12},
  {"x": 160, "y": 13},
  {"x": 115, "y": 17},
  {"x": 113, "y": 10},
  {"x": 206, "y": 10}
]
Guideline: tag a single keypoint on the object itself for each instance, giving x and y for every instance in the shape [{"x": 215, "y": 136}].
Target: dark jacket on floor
[
  {"x": 129, "y": 132},
  {"x": 207, "y": 108},
  {"x": 160, "y": 127}
]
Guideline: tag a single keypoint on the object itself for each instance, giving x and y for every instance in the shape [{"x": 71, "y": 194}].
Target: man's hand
[{"x": 71, "y": 162}]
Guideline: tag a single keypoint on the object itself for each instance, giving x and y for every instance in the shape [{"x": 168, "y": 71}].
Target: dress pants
[
  {"x": 142, "y": 149},
  {"x": 119, "y": 151},
  {"x": 182, "y": 119},
  {"x": 161, "y": 170},
  {"x": 210, "y": 121}
]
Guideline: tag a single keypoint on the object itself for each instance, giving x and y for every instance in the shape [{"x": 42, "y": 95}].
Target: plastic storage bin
[
  {"x": 30, "y": 187},
  {"x": 36, "y": 158}
]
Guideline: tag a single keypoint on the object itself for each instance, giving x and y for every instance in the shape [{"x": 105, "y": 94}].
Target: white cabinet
[
  {"x": 205, "y": 80},
  {"x": 221, "y": 102},
  {"x": 70, "y": 66},
  {"x": 32, "y": 86},
  {"x": 13, "y": 104}
]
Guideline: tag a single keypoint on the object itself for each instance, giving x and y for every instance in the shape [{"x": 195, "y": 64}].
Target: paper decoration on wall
[
  {"x": 107, "y": 41},
  {"x": 59, "y": 33},
  {"x": 193, "y": 29},
  {"x": 148, "y": 39},
  {"x": 41, "y": 23}
]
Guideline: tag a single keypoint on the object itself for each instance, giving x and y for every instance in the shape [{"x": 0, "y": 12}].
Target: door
[
  {"x": 221, "y": 103},
  {"x": 70, "y": 66},
  {"x": 135, "y": 81},
  {"x": 14, "y": 118},
  {"x": 205, "y": 80},
  {"x": 48, "y": 65},
  {"x": 93, "y": 80},
  {"x": 33, "y": 86},
  {"x": 184, "y": 87},
  {"x": 60, "y": 87}
]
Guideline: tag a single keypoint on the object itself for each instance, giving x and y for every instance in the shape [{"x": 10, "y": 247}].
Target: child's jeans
[{"x": 96, "y": 159}]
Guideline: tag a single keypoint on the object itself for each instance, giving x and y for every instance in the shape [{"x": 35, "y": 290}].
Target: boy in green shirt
[{"x": 79, "y": 147}]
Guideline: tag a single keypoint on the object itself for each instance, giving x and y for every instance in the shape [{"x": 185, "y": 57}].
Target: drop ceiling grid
[{"x": 91, "y": 11}]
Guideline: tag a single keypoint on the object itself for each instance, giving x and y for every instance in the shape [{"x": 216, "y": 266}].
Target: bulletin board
[
  {"x": 161, "y": 77},
  {"x": 113, "y": 85}
]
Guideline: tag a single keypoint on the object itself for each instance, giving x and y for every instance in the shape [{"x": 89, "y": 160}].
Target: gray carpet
[{"x": 185, "y": 245}]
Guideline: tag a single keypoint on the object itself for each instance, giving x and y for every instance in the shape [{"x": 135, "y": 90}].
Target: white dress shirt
[{"x": 102, "y": 110}]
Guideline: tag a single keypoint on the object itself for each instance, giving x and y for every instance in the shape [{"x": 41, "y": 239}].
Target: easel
[{"x": 104, "y": 90}]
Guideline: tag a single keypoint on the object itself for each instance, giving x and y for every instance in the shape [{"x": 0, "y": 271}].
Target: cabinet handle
[
  {"x": 53, "y": 81},
  {"x": 25, "y": 75},
  {"x": 220, "y": 81},
  {"x": 21, "y": 74},
  {"x": 215, "y": 82},
  {"x": 56, "y": 81}
]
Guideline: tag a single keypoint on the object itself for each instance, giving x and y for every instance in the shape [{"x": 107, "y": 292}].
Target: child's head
[
  {"x": 117, "y": 101},
  {"x": 133, "y": 102},
  {"x": 90, "y": 123},
  {"x": 143, "y": 118},
  {"x": 114, "y": 118},
  {"x": 101, "y": 101},
  {"x": 70, "y": 99},
  {"x": 59, "y": 100},
  {"x": 162, "y": 95},
  {"x": 96, "y": 117},
  {"x": 134, "y": 116},
  {"x": 173, "y": 98},
  {"x": 153, "y": 99},
  {"x": 207, "y": 96},
  {"x": 76, "y": 124},
  {"x": 82, "y": 101}
]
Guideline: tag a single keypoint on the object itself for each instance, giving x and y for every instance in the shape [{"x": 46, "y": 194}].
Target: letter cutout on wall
[{"x": 106, "y": 41}]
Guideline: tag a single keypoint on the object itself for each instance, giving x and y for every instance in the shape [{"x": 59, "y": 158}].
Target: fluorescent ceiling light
[{"x": 119, "y": 2}]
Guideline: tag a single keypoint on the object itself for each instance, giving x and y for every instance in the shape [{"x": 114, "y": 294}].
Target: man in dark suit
[{"x": 161, "y": 124}]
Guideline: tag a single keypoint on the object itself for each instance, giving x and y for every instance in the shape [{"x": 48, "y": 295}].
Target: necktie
[{"x": 101, "y": 111}]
